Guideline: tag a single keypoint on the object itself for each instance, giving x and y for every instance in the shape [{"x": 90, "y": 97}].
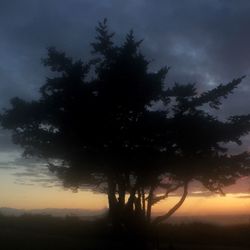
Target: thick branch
[
  {"x": 149, "y": 205},
  {"x": 143, "y": 201},
  {"x": 161, "y": 218}
]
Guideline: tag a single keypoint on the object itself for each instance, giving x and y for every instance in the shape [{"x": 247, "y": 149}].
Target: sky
[{"x": 204, "y": 42}]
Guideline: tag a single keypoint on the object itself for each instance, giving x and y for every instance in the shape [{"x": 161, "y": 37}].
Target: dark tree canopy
[{"x": 103, "y": 130}]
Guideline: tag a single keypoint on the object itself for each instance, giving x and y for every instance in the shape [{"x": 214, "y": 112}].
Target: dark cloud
[
  {"x": 7, "y": 167},
  {"x": 206, "y": 42},
  {"x": 23, "y": 183},
  {"x": 37, "y": 175},
  {"x": 203, "y": 41}
]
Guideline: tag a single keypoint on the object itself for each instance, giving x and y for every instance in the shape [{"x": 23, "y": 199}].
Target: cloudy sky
[{"x": 204, "y": 41}]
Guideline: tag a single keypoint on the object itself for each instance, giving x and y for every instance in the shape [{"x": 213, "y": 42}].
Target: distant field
[{"x": 34, "y": 232}]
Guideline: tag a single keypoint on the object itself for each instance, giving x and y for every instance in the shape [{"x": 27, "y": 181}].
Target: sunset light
[{"x": 124, "y": 125}]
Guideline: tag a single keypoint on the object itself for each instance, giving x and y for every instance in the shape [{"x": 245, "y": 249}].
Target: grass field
[{"x": 45, "y": 232}]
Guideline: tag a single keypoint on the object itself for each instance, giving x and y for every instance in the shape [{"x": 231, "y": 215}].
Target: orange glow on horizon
[
  {"x": 212, "y": 205},
  {"x": 60, "y": 198},
  {"x": 36, "y": 196}
]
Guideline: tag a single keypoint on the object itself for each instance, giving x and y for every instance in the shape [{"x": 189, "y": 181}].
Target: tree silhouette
[{"x": 97, "y": 124}]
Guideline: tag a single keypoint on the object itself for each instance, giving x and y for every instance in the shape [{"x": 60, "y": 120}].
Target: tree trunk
[
  {"x": 112, "y": 200},
  {"x": 149, "y": 205},
  {"x": 143, "y": 202},
  {"x": 121, "y": 192}
]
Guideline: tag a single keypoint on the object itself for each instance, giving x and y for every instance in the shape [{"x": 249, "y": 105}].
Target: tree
[{"x": 103, "y": 130}]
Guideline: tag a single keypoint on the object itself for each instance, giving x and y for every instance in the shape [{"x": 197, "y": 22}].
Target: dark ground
[{"x": 44, "y": 232}]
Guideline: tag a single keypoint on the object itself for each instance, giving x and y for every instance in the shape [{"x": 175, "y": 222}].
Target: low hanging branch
[
  {"x": 215, "y": 189},
  {"x": 164, "y": 196},
  {"x": 161, "y": 218}
]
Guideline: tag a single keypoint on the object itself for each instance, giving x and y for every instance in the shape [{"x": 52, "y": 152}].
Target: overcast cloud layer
[{"x": 207, "y": 42}]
